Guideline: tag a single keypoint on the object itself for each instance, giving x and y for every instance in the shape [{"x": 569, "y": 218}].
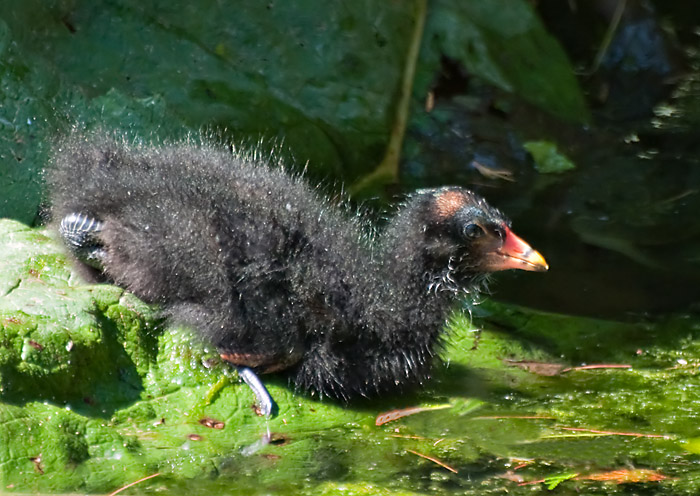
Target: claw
[
  {"x": 81, "y": 233},
  {"x": 264, "y": 400}
]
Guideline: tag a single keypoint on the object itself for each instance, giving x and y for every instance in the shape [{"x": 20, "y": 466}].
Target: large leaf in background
[
  {"x": 320, "y": 78},
  {"x": 22, "y": 151},
  {"x": 506, "y": 44},
  {"x": 95, "y": 393}
]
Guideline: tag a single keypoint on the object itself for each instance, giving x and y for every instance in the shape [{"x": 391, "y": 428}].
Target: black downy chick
[{"x": 271, "y": 273}]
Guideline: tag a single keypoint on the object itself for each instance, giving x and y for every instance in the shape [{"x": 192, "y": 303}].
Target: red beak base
[{"x": 515, "y": 253}]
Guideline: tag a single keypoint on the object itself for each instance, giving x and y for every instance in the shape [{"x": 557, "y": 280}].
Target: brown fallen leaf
[
  {"x": 552, "y": 369},
  {"x": 539, "y": 368},
  {"x": 392, "y": 415},
  {"x": 491, "y": 173}
]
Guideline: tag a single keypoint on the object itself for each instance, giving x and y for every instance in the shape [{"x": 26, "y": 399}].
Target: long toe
[
  {"x": 263, "y": 398},
  {"x": 81, "y": 234}
]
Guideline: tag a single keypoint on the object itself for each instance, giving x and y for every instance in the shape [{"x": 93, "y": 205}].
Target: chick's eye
[{"x": 473, "y": 231}]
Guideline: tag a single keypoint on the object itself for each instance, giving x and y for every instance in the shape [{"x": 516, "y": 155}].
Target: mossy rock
[{"x": 98, "y": 392}]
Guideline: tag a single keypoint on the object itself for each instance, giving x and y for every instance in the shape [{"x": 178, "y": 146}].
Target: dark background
[{"x": 614, "y": 89}]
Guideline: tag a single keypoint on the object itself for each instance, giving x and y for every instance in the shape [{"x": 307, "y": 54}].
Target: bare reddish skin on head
[
  {"x": 448, "y": 203},
  {"x": 514, "y": 253}
]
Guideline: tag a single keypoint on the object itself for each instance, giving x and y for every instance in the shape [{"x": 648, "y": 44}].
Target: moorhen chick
[{"x": 264, "y": 267}]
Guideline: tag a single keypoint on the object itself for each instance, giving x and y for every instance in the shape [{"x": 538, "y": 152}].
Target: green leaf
[
  {"x": 554, "y": 480},
  {"x": 548, "y": 159},
  {"x": 311, "y": 80},
  {"x": 692, "y": 445},
  {"x": 506, "y": 44}
]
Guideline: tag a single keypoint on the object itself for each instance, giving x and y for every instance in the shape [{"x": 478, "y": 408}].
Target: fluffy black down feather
[{"x": 265, "y": 268}]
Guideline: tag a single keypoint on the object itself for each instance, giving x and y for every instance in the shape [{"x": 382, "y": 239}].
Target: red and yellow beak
[{"x": 515, "y": 253}]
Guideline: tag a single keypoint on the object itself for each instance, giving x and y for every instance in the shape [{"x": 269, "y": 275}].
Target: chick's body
[
  {"x": 272, "y": 274},
  {"x": 252, "y": 258}
]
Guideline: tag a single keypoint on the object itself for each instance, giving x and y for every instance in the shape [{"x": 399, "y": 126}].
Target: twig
[
  {"x": 517, "y": 417},
  {"x": 434, "y": 460},
  {"x": 608, "y": 38},
  {"x": 134, "y": 483},
  {"x": 613, "y": 433},
  {"x": 388, "y": 169},
  {"x": 597, "y": 366}
]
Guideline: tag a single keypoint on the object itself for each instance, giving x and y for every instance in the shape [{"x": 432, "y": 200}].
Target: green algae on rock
[{"x": 97, "y": 393}]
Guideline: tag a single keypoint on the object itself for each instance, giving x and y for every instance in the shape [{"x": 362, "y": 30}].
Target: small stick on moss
[
  {"x": 134, "y": 483},
  {"x": 597, "y": 366},
  {"x": 420, "y": 438},
  {"x": 514, "y": 417},
  {"x": 434, "y": 460},
  {"x": 613, "y": 433}
]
